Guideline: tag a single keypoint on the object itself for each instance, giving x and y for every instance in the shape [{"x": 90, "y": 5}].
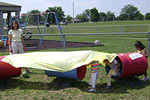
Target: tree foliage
[
  {"x": 138, "y": 16},
  {"x": 123, "y": 17},
  {"x": 110, "y": 16},
  {"x": 94, "y": 15},
  {"x": 84, "y": 17},
  {"x": 79, "y": 16},
  {"x": 102, "y": 16},
  {"x": 147, "y": 16},
  {"x": 32, "y": 19},
  {"x": 130, "y": 10},
  {"x": 59, "y": 12},
  {"x": 68, "y": 18}
]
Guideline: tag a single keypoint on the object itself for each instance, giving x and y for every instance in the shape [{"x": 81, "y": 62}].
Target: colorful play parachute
[{"x": 57, "y": 61}]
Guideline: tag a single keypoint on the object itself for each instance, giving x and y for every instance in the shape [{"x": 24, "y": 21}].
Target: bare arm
[
  {"x": 89, "y": 63},
  {"x": 117, "y": 67},
  {"x": 9, "y": 42}
]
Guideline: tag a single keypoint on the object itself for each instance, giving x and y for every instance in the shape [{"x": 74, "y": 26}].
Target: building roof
[{"x": 8, "y": 5}]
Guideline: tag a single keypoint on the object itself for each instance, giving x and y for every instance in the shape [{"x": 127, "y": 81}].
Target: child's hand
[{"x": 10, "y": 50}]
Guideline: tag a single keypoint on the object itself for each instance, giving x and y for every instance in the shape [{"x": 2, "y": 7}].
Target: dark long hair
[
  {"x": 139, "y": 44},
  {"x": 14, "y": 21}
]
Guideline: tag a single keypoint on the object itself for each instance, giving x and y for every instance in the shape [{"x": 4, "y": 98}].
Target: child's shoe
[
  {"x": 108, "y": 87},
  {"x": 25, "y": 74},
  {"x": 145, "y": 79},
  {"x": 92, "y": 90}
]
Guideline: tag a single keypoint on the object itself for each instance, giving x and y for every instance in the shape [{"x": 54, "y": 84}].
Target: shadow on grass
[
  {"x": 123, "y": 85},
  {"x": 118, "y": 86}
]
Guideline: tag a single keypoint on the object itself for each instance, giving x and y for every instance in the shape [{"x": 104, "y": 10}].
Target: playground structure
[
  {"x": 45, "y": 25},
  {"x": 39, "y": 43},
  {"x": 1, "y": 43},
  {"x": 77, "y": 73},
  {"x": 8, "y": 9},
  {"x": 132, "y": 64},
  {"x": 39, "y": 30}
]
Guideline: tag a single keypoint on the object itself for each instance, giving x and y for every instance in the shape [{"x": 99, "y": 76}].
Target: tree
[
  {"x": 33, "y": 19},
  {"x": 59, "y": 12},
  {"x": 102, "y": 16},
  {"x": 147, "y": 16},
  {"x": 110, "y": 16},
  {"x": 79, "y": 16},
  {"x": 84, "y": 17},
  {"x": 130, "y": 10},
  {"x": 94, "y": 15},
  {"x": 138, "y": 16},
  {"x": 68, "y": 18},
  {"x": 23, "y": 18},
  {"x": 123, "y": 17}
]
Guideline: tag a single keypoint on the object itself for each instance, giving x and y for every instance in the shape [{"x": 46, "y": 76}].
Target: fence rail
[
  {"x": 79, "y": 36},
  {"x": 92, "y": 29}
]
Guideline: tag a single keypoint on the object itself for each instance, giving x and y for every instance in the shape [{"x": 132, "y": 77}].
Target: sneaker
[
  {"x": 25, "y": 74},
  {"x": 92, "y": 90},
  {"x": 145, "y": 79},
  {"x": 108, "y": 87}
]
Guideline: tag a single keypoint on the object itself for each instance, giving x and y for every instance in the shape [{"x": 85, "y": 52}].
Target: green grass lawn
[{"x": 41, "y": 87}]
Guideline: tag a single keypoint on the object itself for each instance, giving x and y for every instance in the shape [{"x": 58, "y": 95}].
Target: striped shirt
[{"x": 95, "y": 66}]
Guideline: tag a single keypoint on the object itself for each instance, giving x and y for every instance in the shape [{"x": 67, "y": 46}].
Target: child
[
  {"x": 16, "y": 41},
  {"x": 114, "y": 71},
  {"x": 29, "y": 34},
  {"x": 141, "y": 49},
  {"x": 94, "y": 75}
]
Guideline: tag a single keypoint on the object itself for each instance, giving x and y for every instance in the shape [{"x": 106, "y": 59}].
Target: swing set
[{"x": 41, "y": 32}]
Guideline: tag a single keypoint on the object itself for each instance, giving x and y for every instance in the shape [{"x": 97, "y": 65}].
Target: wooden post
[{"x": 1, "y": 23}]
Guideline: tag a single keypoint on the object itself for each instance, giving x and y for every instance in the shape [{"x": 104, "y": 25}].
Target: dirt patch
[{"x": 34, "y": 44}]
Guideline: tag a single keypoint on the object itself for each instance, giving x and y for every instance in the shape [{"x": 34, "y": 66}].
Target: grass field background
[{"x": 41, "y": 87}]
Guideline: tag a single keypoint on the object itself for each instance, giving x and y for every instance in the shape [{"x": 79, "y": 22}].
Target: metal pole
[
  {"x": 97, "y": 29},
  {"x": 44, "y": 28},
  {"x": 148, "y": 43},
  {"x": 141, "y": 30},
  {"x": 73, "y": 11},
  {"x": 25, "y": 24},
  {"x": 59, "y": 28},
  {"x": 1, "y": 23},
  {"x": 120, "y": 29},
  {"x": 64, "y": 46}
]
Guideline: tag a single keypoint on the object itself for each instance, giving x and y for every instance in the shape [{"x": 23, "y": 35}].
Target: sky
[{"x": 81, "y": 5}]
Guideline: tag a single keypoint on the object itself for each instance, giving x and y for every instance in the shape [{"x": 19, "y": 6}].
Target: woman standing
[{"x": 16, "y": 40}]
